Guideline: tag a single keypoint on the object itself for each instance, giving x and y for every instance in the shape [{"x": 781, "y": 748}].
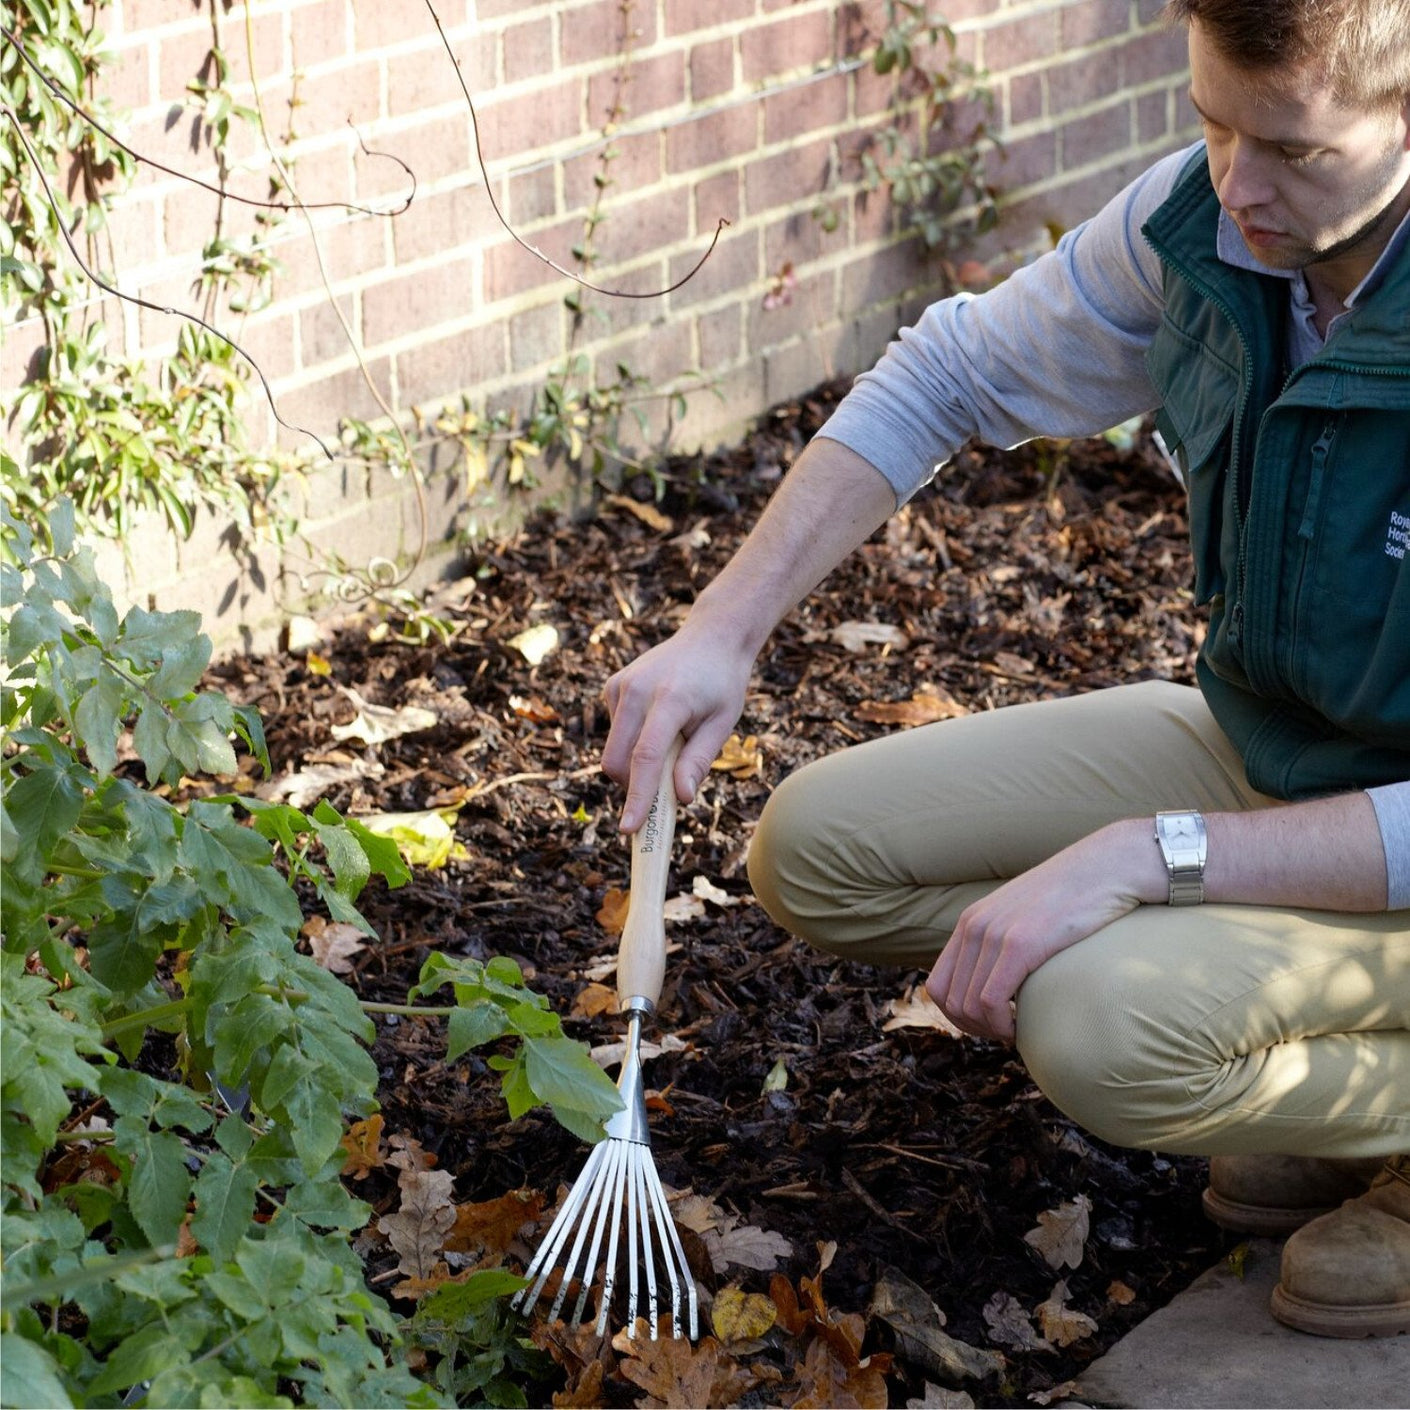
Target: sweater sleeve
[
  {"x": 1392, "y": 804},
  {"x": 1057, "y": 349}
]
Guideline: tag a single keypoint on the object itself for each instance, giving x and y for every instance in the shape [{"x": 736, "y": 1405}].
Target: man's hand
[
  {"x": 1000, "y": 940},
  {"x": 688, "y": 685}
]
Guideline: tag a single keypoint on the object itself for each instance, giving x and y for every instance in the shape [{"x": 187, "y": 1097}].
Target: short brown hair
[{"x": 1365, "y": 44}]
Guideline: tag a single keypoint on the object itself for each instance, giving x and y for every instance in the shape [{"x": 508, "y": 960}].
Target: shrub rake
[{"x": 619, "y": 1184}]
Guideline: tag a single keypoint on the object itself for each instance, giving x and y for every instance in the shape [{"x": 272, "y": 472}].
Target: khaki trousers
[{"x": 1210, "y": 1030}]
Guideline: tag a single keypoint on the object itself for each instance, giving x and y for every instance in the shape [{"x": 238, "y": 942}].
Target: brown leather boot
[
  {"x": 1271, "y": 1195},
  {"x": 1347, "y": 1274}
]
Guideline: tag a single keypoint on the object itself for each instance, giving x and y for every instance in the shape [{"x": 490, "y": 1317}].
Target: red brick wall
[{"x": 737, "y": 109}]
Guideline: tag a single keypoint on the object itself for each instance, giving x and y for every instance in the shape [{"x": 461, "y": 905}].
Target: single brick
[
  {"x": 1081, "y": 81},
  {"x": 1100, "y": 134},
  {"x": 536, "y": 336},
  {"x": 329, "y": 100},
  {"x": 654, "y": 84},
  {"x": 320, "y": 32},
  {"x": 1018, "y": 42},
  {"x": 531, "y": 122},
  {"x": 440, "y": 368},
  {"x": 811, "y": 107},
  {"x": 687, "y": 16},
  {"x": 395, "y": 307},
  {"x": 1025, "y": 98},
  {"x": 711, "y": 69},
  {"x": 789, "y": 176},
  {"x": 528, "y": 50},
  {"x": 714, "y": 138},
  {"x": 797, "y": 42},
  {"x": 635, "y": 167},
  {"x": 1156, "y": 54},
  {"x": 1025, "y": 161},
  {"x": 733, "y": 268},
  {"x": 1087, "y": 21}
]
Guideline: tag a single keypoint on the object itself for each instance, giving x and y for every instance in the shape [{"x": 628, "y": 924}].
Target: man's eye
[{"x": 1298, "y": 156}]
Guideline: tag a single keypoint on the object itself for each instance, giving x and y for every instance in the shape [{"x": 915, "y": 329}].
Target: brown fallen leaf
[
  {"x": 938, "y": 1398},
  {"x": 363, "y": 1144},
  {"x": 1061, "y": 1233},
  {"x": 671, "y": 1371},
  {"x": 746, "y": 1247},
  {"x": 858, "y": 636},
  {"x": 533, "y": 709},
  {"x": 1059, "y": 1322},
  {"x": 612, "y": 914},
  {"x": 916, "y": 1009},
  {"x": 416, "y": 1287},
  {"x": 1120, "y": 1294},
  {"x": 409, "y": 1154},
  {"x": 682, "y": 908},
  {"x": 825, "y": 1380},
  {"x": 740, "y": 758},
  {"x": 592, "y": 1000},
  {"x": 927, "y": 705},
  {"x": 333, "y": 943},
  {"x": 918, "y": 1324},
  {"x": 417, "y": 1231},
  {"x": 1063, "y": 1391},
  {"x": 1010, "y": 1325},
  {"x": 491, "y": 1225}
]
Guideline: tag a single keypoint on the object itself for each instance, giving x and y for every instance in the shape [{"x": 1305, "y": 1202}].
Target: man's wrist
[{"x": 1184, "y": 847}]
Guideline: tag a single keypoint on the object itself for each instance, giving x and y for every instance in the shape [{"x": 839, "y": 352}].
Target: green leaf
[
  {"x": 470, "y": 1027},
  {"x": 29, "y": 1375},
  {"x": 225, "y": 1196},
  {"x": 43, "y": 805},
  {"x": 560, "y": 1071},
  {"x": 181, "y": 669},
  {"x": 159, "y": 1185},
  {"x": 98, "y": 719},
  {"x": 454, "y": 1301},
  {"x": 140, "y": 1357}
]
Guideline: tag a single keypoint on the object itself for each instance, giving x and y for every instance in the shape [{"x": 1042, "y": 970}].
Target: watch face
[{"x": 1181, "y": 825}]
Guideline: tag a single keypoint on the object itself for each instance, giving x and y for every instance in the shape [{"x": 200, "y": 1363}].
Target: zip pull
[
  {"x": 1236, "y": 624},
  {"x": 1320, "y": 452}
]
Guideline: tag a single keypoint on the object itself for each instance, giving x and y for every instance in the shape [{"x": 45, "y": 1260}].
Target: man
[{"x": 1255, "y": 292}]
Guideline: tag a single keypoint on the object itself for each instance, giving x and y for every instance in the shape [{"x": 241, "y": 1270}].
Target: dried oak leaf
[
  {"x": 333, "y": 943},
  {"x": 409, "y": 1154},
  {"x": 586, "y": 1358},
  {"x": 746, "y": 1247},
  {"x": 938, "y": 1398},
  {"x": 1057, "y": 1392},
  {"x": 1061, "y": 1233},
  {"x": 916, "y": 1009},
  {"x": 1010, "y": 1325},
  {"x": 363, "y": 1144},
  {"x": 1059, "y": 1322},
  {"x": 920, "y": 1336},
  {"x": 418, "y": 1230},
  {"x": 491, "y": 1225},
  {"x": 671, "y": 1371},
  {"x": 649, "y": 515},
  {"x": 531, "y": 708},
  {"x": 827, "y": 1382},
  {"x": 415, "y": 1288},
  {"x": 1120, "y": 1293}
]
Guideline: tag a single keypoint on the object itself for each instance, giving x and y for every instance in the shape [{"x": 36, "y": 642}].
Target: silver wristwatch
[{"x": 1185, "y": 846}]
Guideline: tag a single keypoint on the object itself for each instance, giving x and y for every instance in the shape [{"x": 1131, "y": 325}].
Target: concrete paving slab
[{"x": 1217, "y": 1345}]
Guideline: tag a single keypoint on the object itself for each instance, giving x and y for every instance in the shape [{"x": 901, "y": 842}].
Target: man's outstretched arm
[{"x": 829, "y": 503}]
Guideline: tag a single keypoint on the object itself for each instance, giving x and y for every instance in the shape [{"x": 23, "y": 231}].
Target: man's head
[
  {"x": 1363, "y": 46},
  {"x": 1306, "y": 111}
]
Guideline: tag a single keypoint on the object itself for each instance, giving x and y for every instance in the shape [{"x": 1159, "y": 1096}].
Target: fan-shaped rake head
[{"x": 619, "y": 1187}]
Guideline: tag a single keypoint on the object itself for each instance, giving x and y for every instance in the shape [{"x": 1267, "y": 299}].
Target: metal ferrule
[{"x": 629, "y": 1124}]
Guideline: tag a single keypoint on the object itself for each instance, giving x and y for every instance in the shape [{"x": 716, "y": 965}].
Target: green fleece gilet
[{"x": 1299, "y": 502}]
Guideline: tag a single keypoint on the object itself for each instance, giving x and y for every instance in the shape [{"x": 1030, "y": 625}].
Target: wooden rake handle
[{"x": 641, "y": 955}]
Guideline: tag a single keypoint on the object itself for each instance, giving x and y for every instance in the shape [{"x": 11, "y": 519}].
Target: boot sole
[
  {"x": 1386, "y": 1319},
  {"x": 1262, "y": 1220}
]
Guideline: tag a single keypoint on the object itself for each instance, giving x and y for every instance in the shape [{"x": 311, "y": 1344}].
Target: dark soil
[{"x": 1045, "y": 571}]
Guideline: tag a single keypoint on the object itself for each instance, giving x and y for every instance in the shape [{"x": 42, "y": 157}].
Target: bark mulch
[{"x": 1021, "y": 575}]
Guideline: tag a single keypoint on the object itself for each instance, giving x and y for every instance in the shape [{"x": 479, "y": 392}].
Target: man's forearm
[
  {"x": 1322, "y": 855},
  {"x": 829, "y": 504}
]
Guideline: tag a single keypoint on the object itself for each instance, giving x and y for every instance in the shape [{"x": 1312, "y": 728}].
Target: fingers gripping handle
[{"x": 641, "y": 956}]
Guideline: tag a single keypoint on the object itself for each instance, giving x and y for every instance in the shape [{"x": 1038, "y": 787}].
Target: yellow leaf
[
  {"x": 742, "y": 758},
  {"x": 928, "y": 704},
  {"x": 612, "y": 914},
  {"x": 363, "y": 1144},
  {"x": 318, "y": 665},
  {"x": 741, "y": 1316},
  {"x": 425, "y": 839},
  {"x": 777, "y": 1080},
  {"x": 647, "y": 513},
  {"x": 593, "y": 1000}
]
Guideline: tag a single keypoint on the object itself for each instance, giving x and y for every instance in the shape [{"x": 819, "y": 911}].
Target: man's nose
[{"x": 1245, "y": 183}]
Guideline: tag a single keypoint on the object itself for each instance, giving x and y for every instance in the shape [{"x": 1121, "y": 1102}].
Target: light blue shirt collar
[{"x": 1305, "y": 342}]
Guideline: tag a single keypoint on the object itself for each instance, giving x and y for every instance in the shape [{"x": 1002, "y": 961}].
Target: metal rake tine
[
  {"x": 601, "y": 1177},
  {"x": 599, "y": 1225},
  {"x": 640, "y": 1167},
  {"x": 671, "y": 1241},
  {"x": 542, "y": 1264},
  {"x": 610, "y": 1280}
]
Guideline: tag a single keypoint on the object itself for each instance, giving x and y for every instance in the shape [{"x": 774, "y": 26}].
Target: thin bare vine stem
[
  {"x": 93, "y": 122},
  {"x": 519, "y": 239},
  {"x": 147, "y": 303},
  {"x": 369, "y": 589}
]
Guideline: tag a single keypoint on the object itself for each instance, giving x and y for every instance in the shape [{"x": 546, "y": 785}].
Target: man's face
[{"x": 1306, "y": 180}]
